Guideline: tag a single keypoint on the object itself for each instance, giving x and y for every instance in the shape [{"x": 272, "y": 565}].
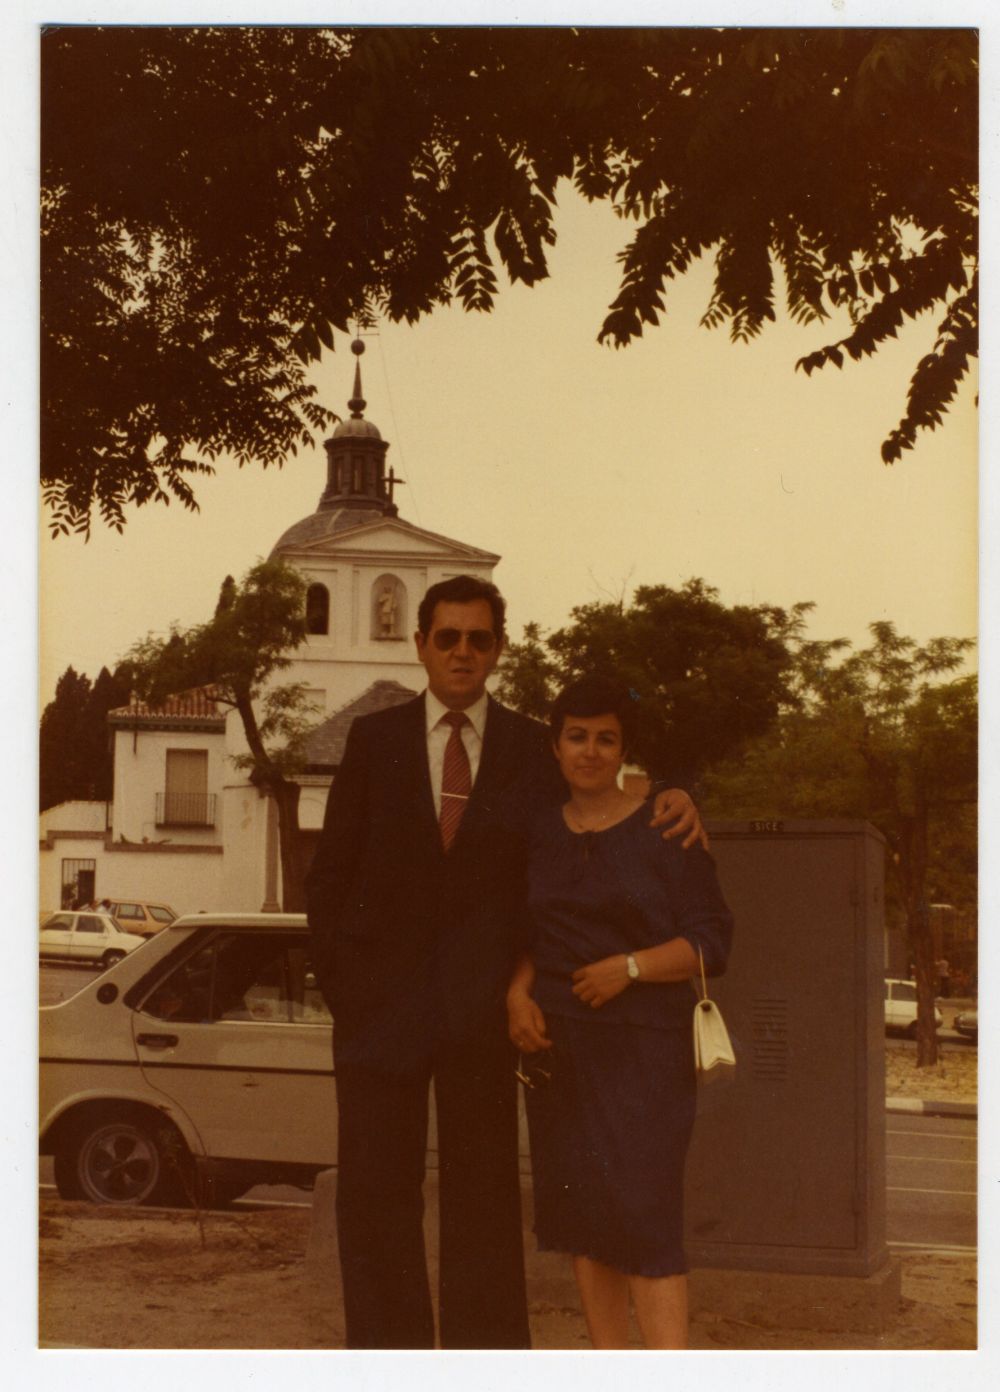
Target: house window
[
  {"x": 186, "y": 800},
  {"x": 317, "y": 609},
  {"x": 78, "y": 877}
]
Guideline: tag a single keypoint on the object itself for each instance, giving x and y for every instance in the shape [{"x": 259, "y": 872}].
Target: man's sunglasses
[{"x": 444, "y": 639}]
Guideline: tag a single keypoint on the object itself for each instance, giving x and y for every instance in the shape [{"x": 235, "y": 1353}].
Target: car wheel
[
  {"x": 124, "y": 1160},
  {"x": 111, "y": 957},
  {"x": 912, "y": 1030}
]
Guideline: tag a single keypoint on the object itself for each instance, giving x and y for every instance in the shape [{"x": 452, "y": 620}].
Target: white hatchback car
[
  {"x": 901, "y": 1007},
  {"x": 204, "y": 1060},
  {"x": 85, "y": 937}
]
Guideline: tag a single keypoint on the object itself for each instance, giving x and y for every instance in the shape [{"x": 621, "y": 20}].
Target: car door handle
[{"x": 157, "y": 1041}]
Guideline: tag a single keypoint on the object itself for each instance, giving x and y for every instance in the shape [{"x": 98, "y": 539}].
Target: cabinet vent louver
[{"x": 769, "y": 1021}]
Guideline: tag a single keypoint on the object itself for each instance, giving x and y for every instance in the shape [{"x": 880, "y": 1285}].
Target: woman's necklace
[{"x": 595, "y": 820}]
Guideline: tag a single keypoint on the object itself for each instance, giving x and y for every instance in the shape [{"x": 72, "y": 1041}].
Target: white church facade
[{"x": 185, "y": 826}]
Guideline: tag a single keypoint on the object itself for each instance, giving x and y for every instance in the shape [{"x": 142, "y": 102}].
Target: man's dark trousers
[{"x": 383, "y": 1137}]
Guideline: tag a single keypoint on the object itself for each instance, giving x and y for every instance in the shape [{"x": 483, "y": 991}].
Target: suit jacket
[{"x": 414, "y": 946}]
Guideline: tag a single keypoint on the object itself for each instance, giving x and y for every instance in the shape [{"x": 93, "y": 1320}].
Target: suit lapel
[{"x": 414, "y": 772}]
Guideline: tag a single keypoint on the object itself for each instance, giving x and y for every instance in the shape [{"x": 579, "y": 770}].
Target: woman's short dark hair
[
  {"x": 462, "y": 589},
  {"x": 595, "y": 695}
]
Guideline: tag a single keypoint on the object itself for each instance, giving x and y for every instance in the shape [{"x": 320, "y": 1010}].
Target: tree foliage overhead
[
  {"x": 217, "y": 201},
  {"x": 707, "y": 678}
]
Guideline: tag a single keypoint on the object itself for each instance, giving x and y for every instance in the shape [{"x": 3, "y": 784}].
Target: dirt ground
[
  {"x": 141, "y": 1279},
  {"x": 951, "y": 1079}
]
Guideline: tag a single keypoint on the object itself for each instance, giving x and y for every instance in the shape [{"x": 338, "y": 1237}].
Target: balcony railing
[{"x": 185, "y": 809}]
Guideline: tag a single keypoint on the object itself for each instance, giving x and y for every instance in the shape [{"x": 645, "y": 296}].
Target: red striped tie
[{"x": 456, "y": 778}]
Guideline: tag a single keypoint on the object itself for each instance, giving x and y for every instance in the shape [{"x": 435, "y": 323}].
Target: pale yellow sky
[{"x": 589, "y": 470}]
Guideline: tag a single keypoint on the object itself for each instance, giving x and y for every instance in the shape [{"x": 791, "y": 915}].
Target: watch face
[{"x": 633, "y": 969}]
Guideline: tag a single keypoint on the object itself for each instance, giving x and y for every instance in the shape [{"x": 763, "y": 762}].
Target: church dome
[
  {"x": 319, "y": 526},
  {"x": 358, "y": 490},
  {"x": 358, "y": 428}
]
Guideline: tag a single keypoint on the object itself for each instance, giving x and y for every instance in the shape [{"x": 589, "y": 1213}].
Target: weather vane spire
[{"x": 357, "y": 402}]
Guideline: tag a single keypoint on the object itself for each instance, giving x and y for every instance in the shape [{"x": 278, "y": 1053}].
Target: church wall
[{"x": 339, "y": 666}]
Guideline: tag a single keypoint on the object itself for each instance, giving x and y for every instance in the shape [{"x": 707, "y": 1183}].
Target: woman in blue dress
[{"x": 601, "y": 1009}]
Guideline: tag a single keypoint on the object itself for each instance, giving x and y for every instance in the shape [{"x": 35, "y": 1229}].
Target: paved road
[
  {"x": 931, "y": 1180},
  {"x": 57, "y": 981}
]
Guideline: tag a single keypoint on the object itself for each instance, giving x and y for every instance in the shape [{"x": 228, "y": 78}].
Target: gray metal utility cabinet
[{"x": 787, "y": 1168}]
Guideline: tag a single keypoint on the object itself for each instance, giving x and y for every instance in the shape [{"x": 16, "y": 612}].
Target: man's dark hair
[
  {"x": 596, "y": 695},
  {"x": 462, "y": 589}
]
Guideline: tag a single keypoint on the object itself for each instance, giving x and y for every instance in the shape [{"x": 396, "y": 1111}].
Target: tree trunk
[
  {"x": 286, "y": 796},
  {"x": 293, "y": 867},
  {"x": 913, "y": 872}
]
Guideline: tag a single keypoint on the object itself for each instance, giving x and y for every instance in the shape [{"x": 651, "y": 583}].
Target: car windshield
[{"x": 904, "y": 991}]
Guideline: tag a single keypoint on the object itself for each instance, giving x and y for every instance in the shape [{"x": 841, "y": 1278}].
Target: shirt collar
[{"x": 476, "y": 712}]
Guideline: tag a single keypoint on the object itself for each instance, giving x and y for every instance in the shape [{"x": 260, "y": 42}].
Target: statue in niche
[{"x": 387, "y": 608}]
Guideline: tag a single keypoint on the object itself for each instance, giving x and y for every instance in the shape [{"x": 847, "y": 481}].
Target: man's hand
[
  {"x": 675, "y": 810},
  {"x": 526, "y": 1023},
  {"x": 601, "y": 981}
]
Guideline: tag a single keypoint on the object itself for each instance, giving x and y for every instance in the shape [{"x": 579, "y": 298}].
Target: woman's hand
[
  {"x": 526, "y": 1023},
  {"x": 674, "y": 809},
  {"x": 601, "y": 981}
]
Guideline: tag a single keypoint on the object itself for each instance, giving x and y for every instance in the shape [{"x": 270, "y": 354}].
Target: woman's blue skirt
[{"x": 609, "y": 1136}]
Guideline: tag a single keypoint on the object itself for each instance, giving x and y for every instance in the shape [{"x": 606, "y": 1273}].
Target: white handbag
[{"x": 713, "y": 1049}]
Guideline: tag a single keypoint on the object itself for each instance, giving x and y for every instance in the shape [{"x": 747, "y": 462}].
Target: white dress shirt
[{"x": 439, "y": 732}]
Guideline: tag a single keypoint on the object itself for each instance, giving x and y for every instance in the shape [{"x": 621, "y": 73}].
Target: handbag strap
[{"x": 704, "y": 986}]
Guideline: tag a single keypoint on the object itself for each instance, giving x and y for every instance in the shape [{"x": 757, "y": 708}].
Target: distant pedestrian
[{"x": 944, "y": 977}]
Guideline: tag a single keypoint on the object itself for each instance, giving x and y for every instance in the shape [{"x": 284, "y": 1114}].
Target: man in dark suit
[{"x": 416, "y": 901}]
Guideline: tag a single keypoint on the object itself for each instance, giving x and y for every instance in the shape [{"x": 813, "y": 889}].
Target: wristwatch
[{"x": 632, "y": 967}]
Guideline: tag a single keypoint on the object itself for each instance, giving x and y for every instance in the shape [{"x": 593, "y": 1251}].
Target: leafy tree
[
  {"x": 256, "y": 625},
  {"x": 708, "y": 678},
  {"x": 878, "y": 734},
  {"x": 109, "y": 691},
  {"x": 216, "y": 201},
  {"x": 529, "y": 675},
  {"x": 63, "y": 770},
  {"x": 74, "y": 753}
]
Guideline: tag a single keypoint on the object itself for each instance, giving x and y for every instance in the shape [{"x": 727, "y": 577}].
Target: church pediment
[{"x": 387, "y": 537}]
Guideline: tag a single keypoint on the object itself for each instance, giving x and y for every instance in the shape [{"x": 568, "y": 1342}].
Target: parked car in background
[
  {"x": 901, "y": 1007},
  {"x": 140, "y": 916},
  {"x": 966, "y": 1023},
  {"x": 85, "y": 937},
  {"x": 205, "y": 1057}
]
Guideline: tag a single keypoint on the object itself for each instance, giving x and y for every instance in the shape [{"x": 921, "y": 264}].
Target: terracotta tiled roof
[
  {"x": 198, "y": 704},
  {"x": 325, "y": 746}
]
